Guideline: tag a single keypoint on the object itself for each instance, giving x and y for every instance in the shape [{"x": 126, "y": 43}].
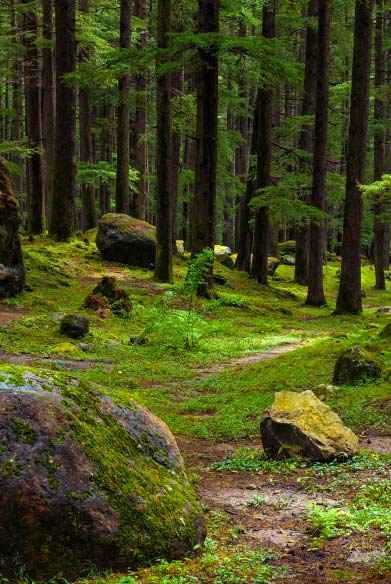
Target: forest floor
[{"x": 268, "y": 521}]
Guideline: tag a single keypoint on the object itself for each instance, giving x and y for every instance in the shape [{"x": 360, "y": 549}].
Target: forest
[{"x": 195, "y": 244}]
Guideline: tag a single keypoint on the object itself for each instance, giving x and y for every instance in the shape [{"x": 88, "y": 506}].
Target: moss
[
  {"x": 10, "y": 468},
  {"x": 24, "y": 431},
  {"x": 52, "y": 467}
]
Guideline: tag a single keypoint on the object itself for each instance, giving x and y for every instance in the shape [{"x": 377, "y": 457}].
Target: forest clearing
[{"x": 195, "y": 356}]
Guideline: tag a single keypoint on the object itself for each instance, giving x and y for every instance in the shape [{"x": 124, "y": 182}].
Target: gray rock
[
  {"x": 122, "y": 238},
  {"x": 355, "y": 365},
  {"x": 85, "y": 481},
  {"x": 272, "y": 265}
]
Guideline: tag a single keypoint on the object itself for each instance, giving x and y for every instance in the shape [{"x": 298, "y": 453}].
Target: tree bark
[
  {"x": 164, "y": 198},
  {"x": 306, "y": 141},
  {"x": 379, "y": 151},
  {"x": 204, "y": 201},
  {"x": 86, "y": 153},
  {"x": 139, "y": 197},
  {"x": 315, "y": 296},
  {"x": 259, "y": 268},
  {"x": 48, "y": 102},
  {"x": 32, "y": 76},
  {"x": 123, "y": 125},
  {"x": 349, "y": 294},
  {"x": 64, "y": 182}
]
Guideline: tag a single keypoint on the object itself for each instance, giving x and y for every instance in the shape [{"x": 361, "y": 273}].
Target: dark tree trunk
[
  {"x": 316, "y": 295},
  {"x": 32, "y": 76},
  {"x": 379, "y": 151},
  {"x": 204, "y": 201},
  {"x": 48, "y": 102},
  {"x": 228, "y": 228},
  {"x": 64, "y": 183},
  {"x": 306, "y": 141},
  {"x": 86, "y": 153},
  {"x": 245, "y": 236},
  {"x": 17, "y": 93},
  {"x": 139, "y": 198},
  {"x": 123, "y": 126},
  {"x": 259, "y": 268},
  {"x": 176, "y": 90},
  {"x": 349, "y": 294},
  {"x": 164, "y": 198}
]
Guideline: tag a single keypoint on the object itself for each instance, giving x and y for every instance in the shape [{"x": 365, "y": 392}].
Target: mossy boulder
[
  {"x": 74, "y": 326},
  {"x": 86, "y": 479},
  {"x": 288, "y": 260},
  {"x": 301, "y": 425},
  {"x": 223, "y": 255},
  {"x": 124, "y": 239},
  {"x": 66, "y": 349},
  {"x": 12, "y": 272},
  {"x": 355, "y": 365},
  {"x": 272, "y": 265}
]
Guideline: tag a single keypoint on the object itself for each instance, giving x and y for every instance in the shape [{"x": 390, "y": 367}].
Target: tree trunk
[
  {"x": 164, "y": 198},
  {"x": 315, "y": 296},
  {"x": 245, "y": 235},
  {"x": 259, "y": 268},
  {"x": 306, "y": 141},
  {"x": 64, "y": 183},
  {"x": 349, "y": 294},
  {"x": 86, "y": 153},
  {"x": 32, "y": 76},
  {"x": 379, "y": 151},
  {"x": 123, "y": 127},
  {"x": 139, "y": 197},
  {"x": 176, "y": 90},
  {"x": 48, "y": 102},
  {"x": 204, "y": 201}
]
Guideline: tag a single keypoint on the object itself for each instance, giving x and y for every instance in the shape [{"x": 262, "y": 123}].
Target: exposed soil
[
  {"x": 270, "y": 511},
  {"x": 11, "y": 312}
]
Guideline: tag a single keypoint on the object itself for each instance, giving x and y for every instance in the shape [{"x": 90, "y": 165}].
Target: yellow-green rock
[{"x": 301, "y": 425}]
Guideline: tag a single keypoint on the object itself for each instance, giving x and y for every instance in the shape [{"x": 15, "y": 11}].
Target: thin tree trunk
[
  {"x": 64, "y": 183},
  {"x": 315, "y": 296},
  {"x": 306, "y": 141},
  {"x": 204, "y": 202},
  {"x": 32, "y": 76},
  {"x": 164, "y": 198},
  {"x": 139, "y": 197},
  {"x": 259, "y": 268},
  {"x": 349, "y": 294},
  {"x": 86, "y": 153},
  {"x": 123, "y": 127},
  {"x": 176, "y": 90},
  {"x": 379, "y": 151}
]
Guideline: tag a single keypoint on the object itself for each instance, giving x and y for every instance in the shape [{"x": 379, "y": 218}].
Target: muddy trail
[{"x": 269, "y": 510}]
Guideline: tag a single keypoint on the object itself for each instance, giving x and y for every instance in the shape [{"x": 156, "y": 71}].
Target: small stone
[
  {"x": 138, "y": 340},
  {"x": 74, "y": 326},
  {"x": 84, "y": 347}
]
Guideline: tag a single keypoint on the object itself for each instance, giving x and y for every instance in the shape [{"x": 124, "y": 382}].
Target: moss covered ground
[{"x": 215, "y": 392}]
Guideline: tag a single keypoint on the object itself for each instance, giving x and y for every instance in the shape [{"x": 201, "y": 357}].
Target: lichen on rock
[
  {"x": 301, "y": 425},
  {"x": 355, "y": 365}
]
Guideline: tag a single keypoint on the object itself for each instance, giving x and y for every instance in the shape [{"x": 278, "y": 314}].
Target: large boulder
[
  {"x": 355, "y": 365},
  {"x": 122, "y": 238},
  {"x": 12, "y": 272},
  {"x": 300, "y": 425},
  {"x": 86, "y": 481}
]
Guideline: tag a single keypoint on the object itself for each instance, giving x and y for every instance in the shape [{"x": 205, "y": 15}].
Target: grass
[{"x": 182, "y": 387}]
